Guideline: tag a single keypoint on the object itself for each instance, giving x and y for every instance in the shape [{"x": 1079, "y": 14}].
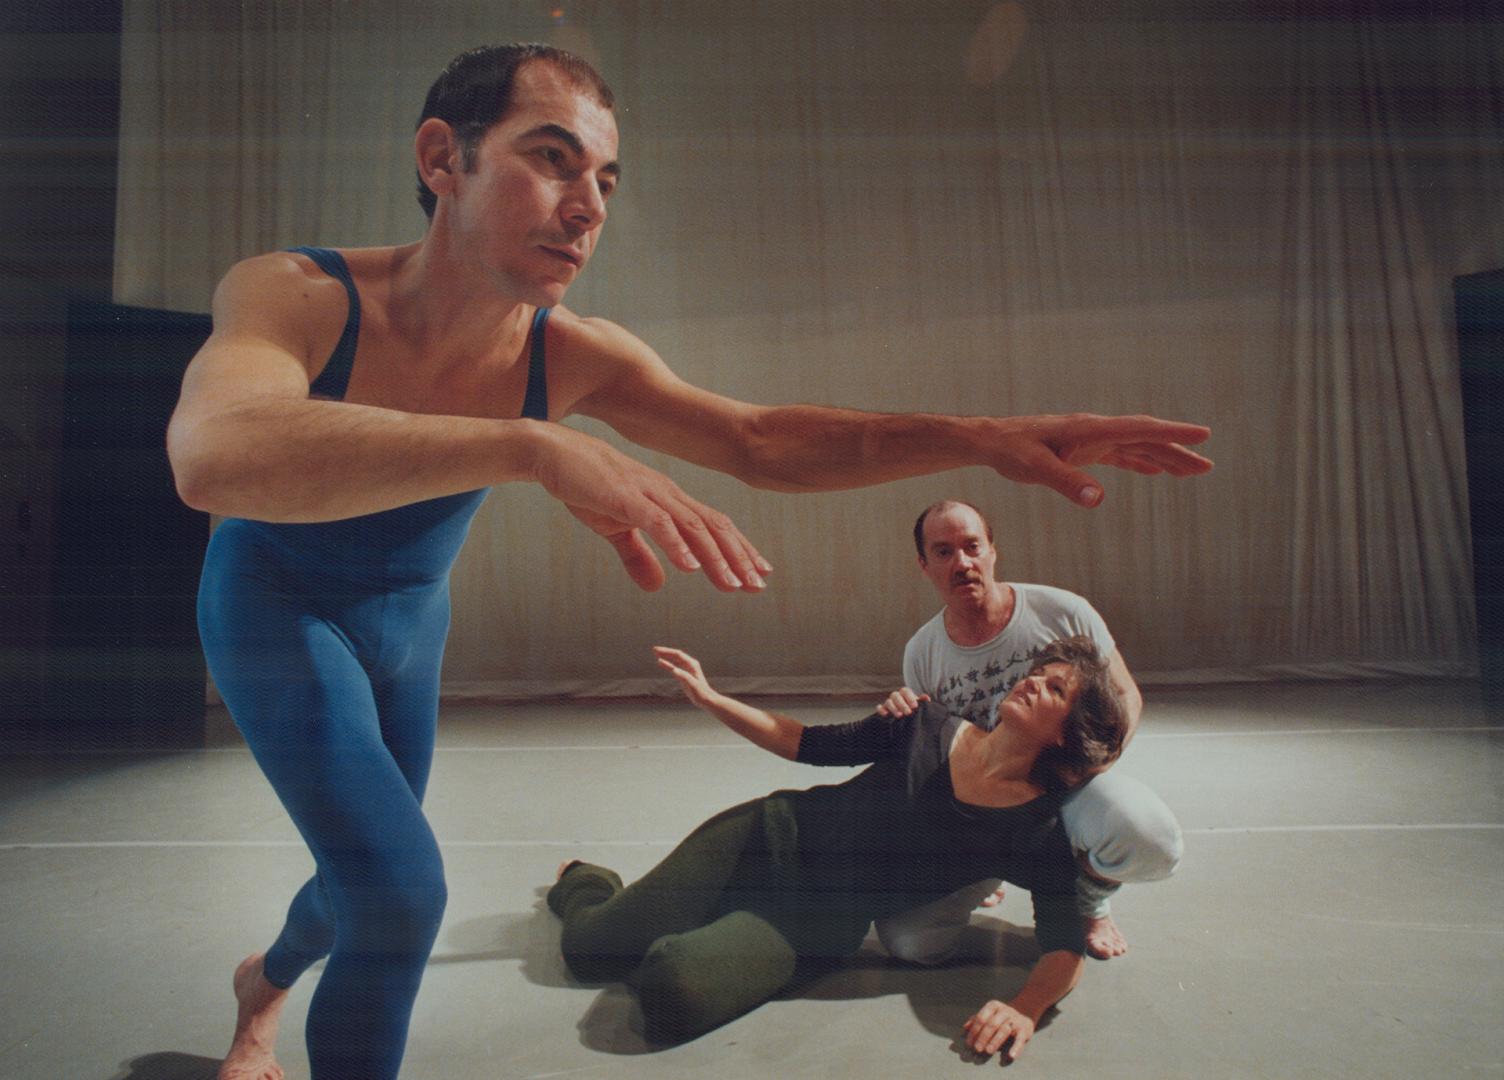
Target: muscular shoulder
[
  {"x": 285, "y": 299},
  {"x": 594, "y": 342},
  {"x": 593, "y": 361}
]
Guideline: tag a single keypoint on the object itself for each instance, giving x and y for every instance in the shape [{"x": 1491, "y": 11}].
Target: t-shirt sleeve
[
  {"x": 1095, "y": 627},
  {"x": 1063, "y": 613},
  {"x": 875, "y": 738}
]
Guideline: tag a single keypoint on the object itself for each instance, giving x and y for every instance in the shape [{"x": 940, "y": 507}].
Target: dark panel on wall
[
  {"x": 59, "y": 125},
  {"x": 125, "y": 668},
  {"x": 1480, "y": 347}
]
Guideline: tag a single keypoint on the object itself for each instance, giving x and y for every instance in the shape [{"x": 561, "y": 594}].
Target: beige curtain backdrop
[{"x": 968, "y": 207}]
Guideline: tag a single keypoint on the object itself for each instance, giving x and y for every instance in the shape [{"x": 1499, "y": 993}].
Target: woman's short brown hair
[{"x": 1094, "y": 730}]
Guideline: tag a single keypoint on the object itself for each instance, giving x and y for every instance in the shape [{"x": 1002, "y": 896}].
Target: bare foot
[
  {"x": 252, "y": 1054},
  {"x": 1103, "y": 938},
  {"x": 994, "y": 898}
]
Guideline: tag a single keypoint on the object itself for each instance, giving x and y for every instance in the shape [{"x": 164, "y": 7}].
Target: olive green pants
[{"x": 682, "y": 934}]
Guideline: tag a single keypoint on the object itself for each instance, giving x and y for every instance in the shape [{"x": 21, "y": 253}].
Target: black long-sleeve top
[{"x": 895, "y": 836}]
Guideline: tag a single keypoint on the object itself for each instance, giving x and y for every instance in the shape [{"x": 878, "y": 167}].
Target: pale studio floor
[{"x": 1338, "y": 913}]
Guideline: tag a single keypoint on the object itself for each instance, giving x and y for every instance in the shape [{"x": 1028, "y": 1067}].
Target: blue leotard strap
[
  {"x": 535, "y": 404},
  {"x": 335, "y": 377}
]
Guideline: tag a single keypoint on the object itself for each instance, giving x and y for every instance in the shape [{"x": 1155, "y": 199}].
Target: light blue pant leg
[
  {"x": 1125, "y": 832},
  {"x": 930, "y": 933}
]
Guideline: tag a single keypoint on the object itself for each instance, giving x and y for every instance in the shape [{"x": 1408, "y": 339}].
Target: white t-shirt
[{"x": 970, "y": 680}]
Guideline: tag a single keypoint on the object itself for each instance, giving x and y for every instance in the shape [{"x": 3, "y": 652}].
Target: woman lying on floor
[{"x": 715, "y": 929}]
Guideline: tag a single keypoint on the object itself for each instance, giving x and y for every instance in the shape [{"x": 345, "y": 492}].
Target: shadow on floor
[
  {"x": 169, "y": 1065},
  {"x": 532, "y": 938}
]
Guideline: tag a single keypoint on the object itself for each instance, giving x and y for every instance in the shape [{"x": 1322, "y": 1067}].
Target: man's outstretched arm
[{"x": 816, "y": 448}]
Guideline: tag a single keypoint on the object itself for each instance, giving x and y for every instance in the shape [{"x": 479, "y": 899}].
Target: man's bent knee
[
  {"x": 1125, "y": 830},
  {"x": 915, "y": 944}
]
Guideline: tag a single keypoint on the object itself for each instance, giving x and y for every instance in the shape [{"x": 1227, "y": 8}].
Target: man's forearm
[
  {"x": 815, "y": 448},
  {"x": 309, "y": 460}
]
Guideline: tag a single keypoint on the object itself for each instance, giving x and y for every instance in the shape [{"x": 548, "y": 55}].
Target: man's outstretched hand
[{"x": 1052, "y": 450}]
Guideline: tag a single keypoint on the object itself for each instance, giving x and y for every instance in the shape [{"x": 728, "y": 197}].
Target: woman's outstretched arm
[{"x": 774, "y": 732}]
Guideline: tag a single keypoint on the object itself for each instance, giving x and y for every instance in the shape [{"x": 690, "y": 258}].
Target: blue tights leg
[{"x": 349, "y": 759}]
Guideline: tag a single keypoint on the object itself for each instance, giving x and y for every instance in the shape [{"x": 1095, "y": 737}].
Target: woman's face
[{"x": 1039, "y": 703}]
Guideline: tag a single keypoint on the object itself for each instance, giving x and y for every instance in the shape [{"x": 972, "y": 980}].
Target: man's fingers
[
  {"x": 1169, "y": 457},
  {"x": 900, "y": 702},
  {"x": 1137, "y": 429},
  {"x": 641, "y": 564},
  {"x": 613, "y": 494},
  {"x": 1178, "y": 461},
  {"x": 1133, "y": 460},
  {"x": 1073, "y": 483},
  {"x": 695, "y": 537},
  {"x": 746, "y": 562},
  {"x": 730, "y": 560}
]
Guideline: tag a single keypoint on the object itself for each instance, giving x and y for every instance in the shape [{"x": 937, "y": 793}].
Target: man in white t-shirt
[{"x": 967, "y": 657}]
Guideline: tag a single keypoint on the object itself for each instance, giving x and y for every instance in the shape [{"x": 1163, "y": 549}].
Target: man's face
[
  {"x": 958, "y": 558},
  {"x": 530, "y": 210}
]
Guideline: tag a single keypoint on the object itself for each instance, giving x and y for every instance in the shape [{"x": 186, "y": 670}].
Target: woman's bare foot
[
  {"x": 259, "y": 1004},
  {"x": 1103, "y": 938}
]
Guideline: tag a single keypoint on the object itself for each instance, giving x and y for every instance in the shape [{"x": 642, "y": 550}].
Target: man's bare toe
[{"x": 1103, "y": 938}]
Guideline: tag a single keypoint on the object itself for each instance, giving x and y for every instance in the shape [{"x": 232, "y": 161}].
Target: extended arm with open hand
[
  {"x": 774, "y": 732},
  {"x": 817, "y": 448}
]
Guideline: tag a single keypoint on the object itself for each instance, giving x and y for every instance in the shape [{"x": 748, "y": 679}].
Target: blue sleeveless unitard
[{"x": 325, "y": 641}]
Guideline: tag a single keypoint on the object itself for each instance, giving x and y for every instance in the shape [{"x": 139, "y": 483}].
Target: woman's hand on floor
[{"x": 993, "y": 1025}]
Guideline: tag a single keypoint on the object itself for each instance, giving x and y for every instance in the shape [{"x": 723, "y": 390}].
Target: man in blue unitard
[{"x": 348, "y": 415}]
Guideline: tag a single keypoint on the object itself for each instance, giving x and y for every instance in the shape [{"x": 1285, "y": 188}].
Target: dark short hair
[
  {"x": 475, "y": 91},
  {"x": 1097, "y": 724},
  {"x": 936, "y": 507}
]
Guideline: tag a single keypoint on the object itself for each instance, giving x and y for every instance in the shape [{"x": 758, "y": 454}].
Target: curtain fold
[{"x": 974, "y": 207}]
